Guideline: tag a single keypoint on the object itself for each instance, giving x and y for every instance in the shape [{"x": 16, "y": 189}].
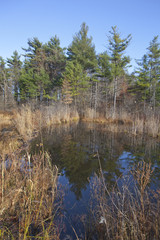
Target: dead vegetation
[
  {"x": 131, "y": 210},
  {"x": 28, "y": 190}
]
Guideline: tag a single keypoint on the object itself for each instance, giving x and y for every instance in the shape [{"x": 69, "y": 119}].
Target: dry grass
[
  {"x": 58, "y": 114},
  {"x": 28, "y": 121},
  {"x": 152, "y": 126},
  {"x": 27, "y": 198},
  {"x": 149, "y": 125},
  {"x": 5, "y": 119},
  {"x": 131, "y": 210},
  {"x": 9, "y": 138},
  {"x": 138, "y": 124}
]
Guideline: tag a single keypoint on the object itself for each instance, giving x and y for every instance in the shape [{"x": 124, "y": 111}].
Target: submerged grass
[{"x": 131, "y": 210}]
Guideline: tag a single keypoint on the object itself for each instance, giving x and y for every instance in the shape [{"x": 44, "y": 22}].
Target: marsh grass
[
  {"x": 135, "y": 123},
  {"x": 28, "y": 120},
  {"x": 130, "y": 210},
  {"x": 28, "y": 190},
  {"x": 5, "y": 119},
  {"x": 58, "y": 114}
]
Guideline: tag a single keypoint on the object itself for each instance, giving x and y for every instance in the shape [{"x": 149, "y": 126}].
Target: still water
[{"x": 74, "y": 149}]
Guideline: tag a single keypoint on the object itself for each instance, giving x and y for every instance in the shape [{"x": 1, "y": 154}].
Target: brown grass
[
  {"x": 5, "y": 119},
  {"x": 28, "y": 121},
  {"x": 130, "y": 211},
  {"x": 134, "y": 123},
  {"x": 27, "y": 198}
]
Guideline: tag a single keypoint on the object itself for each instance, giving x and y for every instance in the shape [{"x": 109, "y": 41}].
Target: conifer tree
[
  {"x": 154, "y": 67},
  {"x": 55, "y": 61},
  {"x": 82, "y": 54},
  {"x": 82, "y": 50},
  {"x": 3, "y": 81},
  {"x": 77, "y": 79},
  {"x": 34, "y": 79},
  {"x": 104, "y": 66},
  {"x": 143, "y": 79},
  {"x": 14, "y": 63},
  {"x": 119, "y": 62}
]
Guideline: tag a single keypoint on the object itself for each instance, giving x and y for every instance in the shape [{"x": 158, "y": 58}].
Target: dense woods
[{"x": 78, "y": 76}]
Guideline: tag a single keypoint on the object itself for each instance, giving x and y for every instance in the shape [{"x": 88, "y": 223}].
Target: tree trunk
[{"x": 115, "y": 97}]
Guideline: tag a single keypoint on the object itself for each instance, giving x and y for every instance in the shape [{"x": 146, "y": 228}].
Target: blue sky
[{"x": 24, "y": 19}]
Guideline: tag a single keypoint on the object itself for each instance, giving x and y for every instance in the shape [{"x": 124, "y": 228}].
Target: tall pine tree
[
  {"x": 14, "y": 69},
  {"x": 154, "y": 68},
  {"x": 119, "y": 61},
  {"x": 82, "y": 50}
]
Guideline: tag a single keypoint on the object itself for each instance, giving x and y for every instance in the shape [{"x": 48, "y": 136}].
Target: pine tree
[
  {"x": 34, "y": 54},
  {"x": 27, "y": 84},
  {"x": 154, "y": 67},
  {"x": 4, "y": 84},
  {"x": 119, "y": 62},
  {"x": 55, "y": 61},
  {"x": 14, "y": 71},
  {"x": 76, "y": 78},
  {"x": 142, "y": 87},
  {"x": 82, "y": 54},
  {"x": 82, "y": 50},
  {"x": 104, "y": 66},
  {"x": 35, "y": 79}
]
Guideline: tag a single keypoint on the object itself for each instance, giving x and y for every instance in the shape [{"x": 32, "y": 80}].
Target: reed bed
[
  {"x": 134, "y": 123},
  {"x": 28, "y": 120},
  {"x": 130, "y": 210}
]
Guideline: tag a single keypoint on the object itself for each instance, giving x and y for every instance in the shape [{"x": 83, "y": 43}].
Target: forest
[{"x": 97, "y": 85}]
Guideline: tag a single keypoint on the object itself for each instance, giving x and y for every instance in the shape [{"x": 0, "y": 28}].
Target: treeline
[{"x": 78, "y": 76}]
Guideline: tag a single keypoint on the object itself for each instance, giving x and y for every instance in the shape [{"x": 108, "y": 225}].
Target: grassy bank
[{"x": 135, "y": 123}]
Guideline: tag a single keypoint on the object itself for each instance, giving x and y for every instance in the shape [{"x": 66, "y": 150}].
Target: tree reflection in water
[{"x": 74, "y": 148}]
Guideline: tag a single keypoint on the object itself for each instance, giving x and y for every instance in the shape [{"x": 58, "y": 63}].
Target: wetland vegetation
[{"x": 79, "y": 141}]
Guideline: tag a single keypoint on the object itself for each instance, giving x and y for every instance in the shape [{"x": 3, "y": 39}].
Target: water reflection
[{"x": 74, "y": 148}]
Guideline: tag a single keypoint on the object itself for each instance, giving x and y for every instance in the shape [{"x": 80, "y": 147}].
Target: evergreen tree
[
  {"x": 34, "y": 54},
  {"x": 119, "y": 62},
  {"x": 77, "y": 79},
  {"x": 3, "y": 81},
  {"x": 82, "y": 54},
  {"x": 142, "y": 87},
  {"x": 104, "y": 66},
  {"x": 14, "y": 71},
  {"x": 154, "y": 67},
  {"x": 55, "y": 61},
  {"x": 35, "y": 80},
  {"x": 28, "y": 88},
  {"x": 82, "y": 50},
  {"x": 33, "y": 84}
]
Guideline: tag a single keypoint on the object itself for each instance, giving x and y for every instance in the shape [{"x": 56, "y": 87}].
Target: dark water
[{"x": 73, "y": 148}]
